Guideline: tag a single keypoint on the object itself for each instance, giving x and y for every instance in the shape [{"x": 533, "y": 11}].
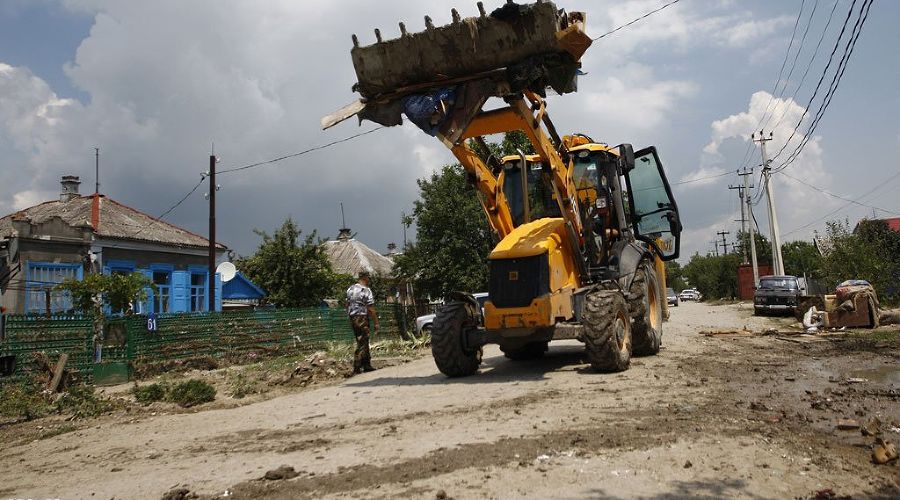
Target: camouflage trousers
[{"x": 361, "y": 358}]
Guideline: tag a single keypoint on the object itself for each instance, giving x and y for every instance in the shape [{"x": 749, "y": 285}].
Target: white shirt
[{"x": 359, "y": 298}]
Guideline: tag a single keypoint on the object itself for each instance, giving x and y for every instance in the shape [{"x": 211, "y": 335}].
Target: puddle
[{"x": 885, "y": 375}]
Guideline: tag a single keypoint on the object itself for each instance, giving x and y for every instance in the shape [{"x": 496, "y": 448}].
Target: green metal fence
[{"x": 128, "y": 347}]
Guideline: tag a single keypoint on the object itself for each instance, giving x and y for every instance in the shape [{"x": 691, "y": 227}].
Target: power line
[
  {"x": 833, "y": 86},
  {"x": 812, "y": 59},
  {"x": 829, "y": 214},
  {"x": 700, "y": 179},
  {"x": 837, "y": 44},
  {"x": 794, "y": 62},
  {"x": 648, "y": 14},
  {"x": 294, "y": 155},
  {"x": 823, "y": 191},
  {"x": 787, "y": 55}
]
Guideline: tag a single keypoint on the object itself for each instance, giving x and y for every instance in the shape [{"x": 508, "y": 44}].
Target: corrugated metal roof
[
  {"x": 349, "y": 256},
  {"x": 117, "y": 221}
]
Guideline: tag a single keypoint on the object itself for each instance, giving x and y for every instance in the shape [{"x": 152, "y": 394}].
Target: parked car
[
  {"x": 423, "y": 323},
  {"x": 689, "y": 294},
  {"x": 776, "y": 293},
  {"x": 671, "y": 297}
]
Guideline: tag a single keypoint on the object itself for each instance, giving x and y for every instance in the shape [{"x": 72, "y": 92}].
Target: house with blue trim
[{"x": 78, "y": 234}]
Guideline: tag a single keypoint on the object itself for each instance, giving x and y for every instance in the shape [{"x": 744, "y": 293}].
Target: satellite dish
[{"x": 227, "y": 271}]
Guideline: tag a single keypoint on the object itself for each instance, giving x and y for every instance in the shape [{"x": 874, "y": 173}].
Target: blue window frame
[
  {"x": 119, "y": 267},
  {"x": 199, "y": 288},
  {"x": 161, "y": 274},
  {"x": 41, "y": 278}
]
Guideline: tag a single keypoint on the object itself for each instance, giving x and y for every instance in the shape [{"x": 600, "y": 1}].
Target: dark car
[
  {"x": 776, "y": 293},
  {"x": 671, "y": 297}
]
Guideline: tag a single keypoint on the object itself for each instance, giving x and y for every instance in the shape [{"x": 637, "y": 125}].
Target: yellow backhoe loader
[{"x": 582, "y": 228}]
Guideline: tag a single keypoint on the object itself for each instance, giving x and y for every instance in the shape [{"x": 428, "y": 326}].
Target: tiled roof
[
  {"x": 117, "y": 221},
  {"x": 349, "y": 256}
]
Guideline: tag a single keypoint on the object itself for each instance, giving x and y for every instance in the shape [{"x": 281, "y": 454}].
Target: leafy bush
[
  {"x": 146, "y": 394},
  {"x": 191, "y": 393},
  {"x": 81, "y": 402},
  {"x": 23, "y": 401}
]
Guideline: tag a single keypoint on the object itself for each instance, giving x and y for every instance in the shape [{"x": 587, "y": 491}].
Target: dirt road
[{"x": 714, "y": 416}]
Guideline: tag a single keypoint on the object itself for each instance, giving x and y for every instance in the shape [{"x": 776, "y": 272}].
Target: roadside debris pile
[
  {"x": 854, "y": 304},
  {"x": 316, "y": 367}
]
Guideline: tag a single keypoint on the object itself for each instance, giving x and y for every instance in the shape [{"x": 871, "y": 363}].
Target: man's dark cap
[{"x": 364, "y": 274}]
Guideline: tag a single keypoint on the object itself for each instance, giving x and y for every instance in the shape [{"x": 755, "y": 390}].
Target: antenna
[
  {"x": 97, "y": 170},
  {"x": 343, "y": 220}
]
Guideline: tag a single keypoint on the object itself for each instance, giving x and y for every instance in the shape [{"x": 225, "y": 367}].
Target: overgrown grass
[
  {"x": 81, "y": 401},
  {"x": 192, "y": 392},
  {"x": 240, "y": 385},
  {"x": 23, "y": 401}
]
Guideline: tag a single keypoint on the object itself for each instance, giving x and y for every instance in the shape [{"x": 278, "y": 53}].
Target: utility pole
[
  {"x": 97, "y": 170},
  {"x": 746, "y": 174},
  {"x": 716, "y": 246},
  {"x": 777, "y": 261},
  {"x": 724, "y": 242},
  {"x": 743, "y": 218},
  {"x": 212, "y": 233}
]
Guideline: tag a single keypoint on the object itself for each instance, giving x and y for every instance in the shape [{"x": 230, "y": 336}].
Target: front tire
[
  {"x": 607, "y": 331},
  {"x": 447, "y": 332},
  {"x": 646, "y": 312}
]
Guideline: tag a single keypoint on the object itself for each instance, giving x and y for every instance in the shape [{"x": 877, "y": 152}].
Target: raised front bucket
[{"x": 467, "y": 47}]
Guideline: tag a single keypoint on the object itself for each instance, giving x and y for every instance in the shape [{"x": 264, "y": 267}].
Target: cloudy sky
[{"x": 155, "y": 84}]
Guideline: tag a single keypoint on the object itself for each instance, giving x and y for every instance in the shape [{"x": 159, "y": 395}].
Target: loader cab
[
  {"x": 540, "y": 199},
  {"x": 650, "y": 212}
]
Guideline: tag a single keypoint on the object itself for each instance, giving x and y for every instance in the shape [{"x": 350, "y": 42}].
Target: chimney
[
  {"x": 69, "y": 187},
  {"x": 344, "y": 234},
  {"x": 392, "y": 248},
  {"x": 95, "y": 212}
]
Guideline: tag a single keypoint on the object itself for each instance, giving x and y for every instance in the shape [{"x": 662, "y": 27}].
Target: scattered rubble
[{"x": 283, "y": 472}]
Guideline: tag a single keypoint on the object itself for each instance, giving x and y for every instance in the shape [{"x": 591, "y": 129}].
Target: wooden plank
[{"x": 58, "y": 372}]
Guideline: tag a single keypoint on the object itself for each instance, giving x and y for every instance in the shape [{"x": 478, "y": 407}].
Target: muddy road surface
[{"x": 726, "y": 415}]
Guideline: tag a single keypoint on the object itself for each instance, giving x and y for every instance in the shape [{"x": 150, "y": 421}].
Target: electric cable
[
  {"x": 294, "y": 155},
  {"x": 793, "y": 63},
  {"x": 842, "y": 207},
  {"x": 837, "y": 44},
  {"x": 835, "y": 83},
  {"x": 823, "y": 191},
  {"x": 648, "y": 14},
  {"x": 812, "y": 59}
]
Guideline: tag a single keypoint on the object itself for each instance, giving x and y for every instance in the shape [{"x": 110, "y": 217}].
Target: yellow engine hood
[{"x": 528, "y": 240}]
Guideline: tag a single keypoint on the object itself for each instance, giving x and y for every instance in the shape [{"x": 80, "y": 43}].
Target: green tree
[
  {"x": 801, "y": 258},
  {"x": 119, "y": 291},
  {"x": 453, "y": 237},
  {"x": 871, "y": 253},
  {"x": 714, "y": 276},
  {"x": 675, "y": 276},
  {"x": 293, "y": 272}
]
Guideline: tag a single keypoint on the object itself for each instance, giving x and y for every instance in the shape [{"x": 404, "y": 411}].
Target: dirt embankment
[{"x": 713, "y": 416}]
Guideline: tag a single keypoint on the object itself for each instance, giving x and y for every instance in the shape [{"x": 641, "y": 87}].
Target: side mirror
[{"x": 626, "y": 157}]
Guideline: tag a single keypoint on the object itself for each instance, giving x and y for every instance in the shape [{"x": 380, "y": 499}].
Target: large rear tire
[
  {"x": 447, "y": 331},
  {"x": 531, "y": 350},
  {"x": 646, "y": 311},
  {"x": 607, "y": 331}
]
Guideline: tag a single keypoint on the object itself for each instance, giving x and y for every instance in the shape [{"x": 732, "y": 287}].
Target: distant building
[
  {"x": 350, "y": 256},
  {"x": 43, "y": 245}
]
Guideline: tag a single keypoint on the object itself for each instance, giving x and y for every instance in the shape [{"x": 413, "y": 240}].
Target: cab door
[{"x": 654, "y": 214}]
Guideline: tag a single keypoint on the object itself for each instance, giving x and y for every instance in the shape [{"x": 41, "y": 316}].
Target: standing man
[{"x": 361, "y": 307}]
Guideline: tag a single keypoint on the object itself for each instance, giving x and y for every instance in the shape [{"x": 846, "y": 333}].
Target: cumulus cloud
[
  {"x": 167, "y": 79},
  {"x": 633, "y": 98},
  {"x": 730, "y": 146}
]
